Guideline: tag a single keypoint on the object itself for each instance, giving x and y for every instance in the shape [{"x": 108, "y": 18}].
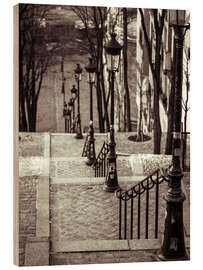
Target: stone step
[
  {"x": 116, "y": 251},
  {"x": 94, "y": 180},
  {"x": 75, "y": 167},
  {"x": 140, "y": 164},
  {"x": 105, "y": 245},
  {"x": 65, "y": 145}
]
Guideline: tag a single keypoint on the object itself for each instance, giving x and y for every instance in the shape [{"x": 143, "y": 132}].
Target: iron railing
[
  {"x": 84, "y": 151},
  {"x": 132, "y": 214},
  {"x": 100, "y": 165}
]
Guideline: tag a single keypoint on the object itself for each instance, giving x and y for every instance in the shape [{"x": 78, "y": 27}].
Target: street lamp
[
  {"x": 74, "y": 96},
  {"x": 173, "y": 245},
  {"x": 91, "y": 70},
  {"x": 67, "y": 116},
  {"x": 113, "y": 50},
  {"x": 63, "y": 88},
  {"x": 78, "y": 77},
  {"x": 71, "y": 105}
]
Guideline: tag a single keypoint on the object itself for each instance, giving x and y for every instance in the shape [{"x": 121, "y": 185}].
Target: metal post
[
  {"x": 91, "y": 146},
  {"x": 78, "y": 125},
  {"x": 111, "y": 181},
  {"x": 73, "y": 116},
  {"x": 173, "y": 245}
]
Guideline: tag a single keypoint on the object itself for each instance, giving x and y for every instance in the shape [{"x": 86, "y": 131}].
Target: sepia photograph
[{"x": 102, "y": 134}]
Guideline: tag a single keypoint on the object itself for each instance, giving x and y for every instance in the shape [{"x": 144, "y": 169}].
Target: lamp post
[
  {"x": 67, "y": 116},
  {"x": 74, "y": 96},
  {"x": 173, "y": 244},
  {"x": 71, "y": 105},
  {"x": 63, "y": 88},
  {"x": 64, "y": 114},
  {"x": 113, "y": 50},
  {"x": 78, "y": 77},
  {"x": 91, "y": 69}
]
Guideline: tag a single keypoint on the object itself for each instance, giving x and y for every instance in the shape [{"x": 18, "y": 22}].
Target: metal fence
[{"x": 131, "y": 202}]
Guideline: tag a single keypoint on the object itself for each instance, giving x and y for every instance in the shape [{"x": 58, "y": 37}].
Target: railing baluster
[
  {"x": 131, "y": 217},
  {"x": 101, "y": 161},
  {"x": 125, "y": 229},
  {"x": 138, "y": 213},
  {"x": 147, "y": 210},
  {"x": 157, "y": 206},
  {"x": 125, "y": 217},
  {"x": 120, "y": 215}
]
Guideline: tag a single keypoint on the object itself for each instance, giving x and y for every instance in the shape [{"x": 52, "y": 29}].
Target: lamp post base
[
  {"x": 173, "y": 244},
  {"x": 79, "y": 136},
  {"x": 164, "y": 258},
  {"x": 90, "y": 146},
  {"x": 111, "y": 181},
  {"x": 78, "y": 128},
  {"x": 112, "y": 188},
  {"x": 90, "y": 162}
]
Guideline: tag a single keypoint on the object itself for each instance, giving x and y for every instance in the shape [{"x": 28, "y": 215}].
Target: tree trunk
[
  {"x": 169, "y": 136},
  {"x": 157, "y": 124},
  {"x": 125, "y": 70},
  {"x": 99, "y": 96},
  {"x": 101, "y": 78},
  {"x": 140, "y": 124}
]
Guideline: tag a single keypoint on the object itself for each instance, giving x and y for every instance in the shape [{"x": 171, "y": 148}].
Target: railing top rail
[
  {"x": 104, "y": 146},
  {"x": 157, "y": 177}
]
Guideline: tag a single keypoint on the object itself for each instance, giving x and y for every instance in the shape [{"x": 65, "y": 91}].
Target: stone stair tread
[
  {"x": 108, "y": 245},
  {"x": 93, "y": 180},
  {"x": 89, "y": 245}
]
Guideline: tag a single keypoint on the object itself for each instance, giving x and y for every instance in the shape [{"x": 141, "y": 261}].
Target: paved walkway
[{"x": 72, "y": 203}]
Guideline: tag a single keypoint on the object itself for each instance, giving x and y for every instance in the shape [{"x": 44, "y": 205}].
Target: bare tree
[
  {"x": 125, "y": 68},
  {"x": 155, "y": 69},
  {"x": 185, "y": 105},
  {"x": 34, "y": 59}
]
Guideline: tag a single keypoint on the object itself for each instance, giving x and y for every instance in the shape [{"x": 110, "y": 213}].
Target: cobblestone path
[
  {"x": 81, "y": 210},
  {"x": 78, "y": 207}
]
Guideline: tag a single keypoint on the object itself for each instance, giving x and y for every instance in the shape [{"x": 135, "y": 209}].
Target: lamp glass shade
[
  {"x": 91, "y": 71},
  {"x": 113, "y": 50},
  {"x": 91, "y": 77},
  {"x": 113, "y": 62},
  {"x": 73, "y": 93},
  {"x": 78, "y": 73}
]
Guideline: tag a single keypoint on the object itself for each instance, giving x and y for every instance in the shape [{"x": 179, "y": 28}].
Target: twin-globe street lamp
[
  {"x": 173, "y": 245},
  {"x": 91, "y": 70},
  {"x": 78, "y": 77},
  {"x": 113, "y": 50}
]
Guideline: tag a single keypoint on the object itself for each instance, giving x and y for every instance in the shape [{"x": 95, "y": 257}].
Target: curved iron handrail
[
  {"x": 84, "y": 151},
  {"x": 104, "y": 151},
  {"x": 141, "y": 187}
]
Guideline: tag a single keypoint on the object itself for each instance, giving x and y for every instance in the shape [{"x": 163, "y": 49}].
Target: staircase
[{"x": 83, "y": 218}]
